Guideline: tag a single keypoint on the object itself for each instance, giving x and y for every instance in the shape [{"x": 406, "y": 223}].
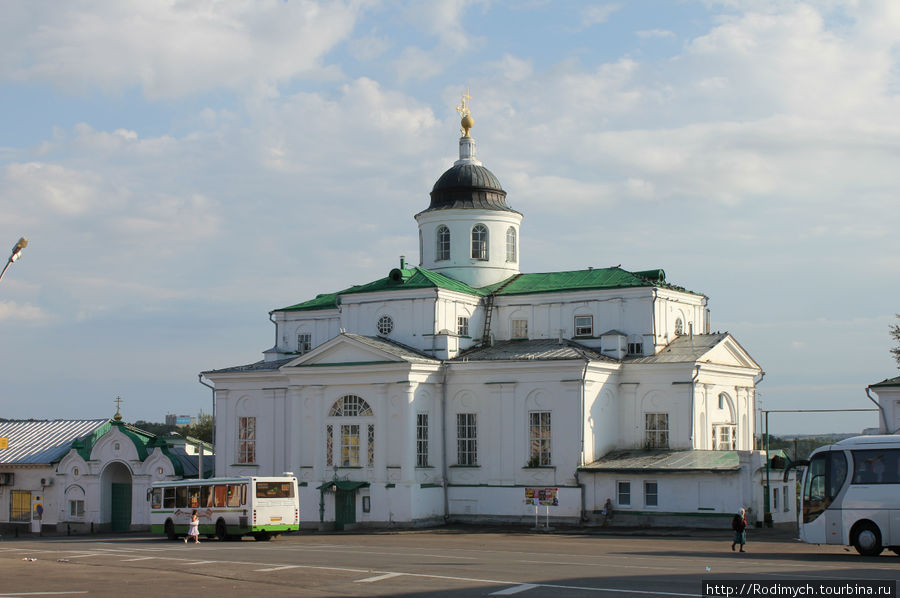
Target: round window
[{"x": 385, "y": 325}]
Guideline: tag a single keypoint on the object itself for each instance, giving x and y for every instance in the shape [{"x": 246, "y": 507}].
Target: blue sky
[{"x": 181, "y": 169}]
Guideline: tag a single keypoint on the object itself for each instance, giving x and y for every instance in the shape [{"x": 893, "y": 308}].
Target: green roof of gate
[{"x": 520, "y": 284}]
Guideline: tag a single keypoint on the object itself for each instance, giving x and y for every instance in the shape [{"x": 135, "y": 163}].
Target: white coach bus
[
  {"x": 851, "y": 495},
  {"x": 261, "y": 507}
]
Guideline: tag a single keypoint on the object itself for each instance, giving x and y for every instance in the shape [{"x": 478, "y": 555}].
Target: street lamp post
[{"x": 16, "y": 253}]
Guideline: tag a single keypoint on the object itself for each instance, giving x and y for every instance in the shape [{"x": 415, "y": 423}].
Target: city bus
[
  {"x": 851, "y": 495},
  {"x": 261, "y": 507}
]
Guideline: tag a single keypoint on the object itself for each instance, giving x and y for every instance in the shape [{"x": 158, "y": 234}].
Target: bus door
[
  {"x": 835, "y": 480},
  {"x": 824, "y": 479}
]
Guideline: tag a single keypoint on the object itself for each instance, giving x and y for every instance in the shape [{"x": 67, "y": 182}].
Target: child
[{"x": 194, "y": 529}]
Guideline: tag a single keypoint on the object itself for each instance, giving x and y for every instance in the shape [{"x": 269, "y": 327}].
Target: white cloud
[
  {"x": 11, "y": 311},
  {"x": 61, "y": 190},
  {"x": 170, "y": 49},
  {"x": 655, "y": 33},
  {"x": 598, "y": 14}
]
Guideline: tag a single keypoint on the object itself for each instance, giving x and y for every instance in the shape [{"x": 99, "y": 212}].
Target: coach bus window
[
  {"x": 169, "y": 498},
  {"x": 181, "y": 497},
  {"x": 876, "y": 467},
  {"x": 234, "y": 495},
  {"x": 814, "y": 490},
  {"x": 274, "y": 490},
  {"x": 220, "y": 492},
  {"x": 837, "y": 474}
]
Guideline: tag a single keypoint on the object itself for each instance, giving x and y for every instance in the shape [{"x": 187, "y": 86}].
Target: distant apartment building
[{"x": 180, "y": 420}]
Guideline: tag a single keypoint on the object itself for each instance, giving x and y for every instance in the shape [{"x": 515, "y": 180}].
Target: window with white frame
[
  {"x": 479, "y": 242},
  {"x": 623, "y": 494},
  {"x": 462, "y": 326},
  {"x": 329, "y": 445},
  {"x": 421, "y": 440},
  {"x": 511, "y": 244},
  {"x": 349, "y": 445},
  {"x": 442, "y": 251},
  {"x": 656, "y": 430},
  {"x": 76, "y": 508},
  {"x": 304, "y": 342},
  {"x": 539, "y": 438},
  {"x": 651, "y": 494},
  {"x": 723, "y": 437},
  {"x": 385, "y": 325},
  {"x": 370, "y": 450},
  {"x": 350, "y": 406},
  {"x": 584, "y": 325},
  {"x": 466, "y": 439},
  {"x": 246, "y": 440},
  {"x": 519, "y": 329}
]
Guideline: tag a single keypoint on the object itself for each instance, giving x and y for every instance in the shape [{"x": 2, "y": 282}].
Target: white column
[
  {"x": 318, "y": 404},
  {"x": 408, "y": 434},
  {"x": 225, "y": 429}
]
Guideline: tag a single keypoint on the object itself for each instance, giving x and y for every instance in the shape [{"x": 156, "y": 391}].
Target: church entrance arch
[{"x": 116, "y": 483}]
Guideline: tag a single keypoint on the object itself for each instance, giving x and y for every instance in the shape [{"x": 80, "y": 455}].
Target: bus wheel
[
  {"x": 262, "y": 536},
  {"x": 170, "y": 529},
  {"x": 867, "y": 540},
  {"x": 221, "y": 530}
]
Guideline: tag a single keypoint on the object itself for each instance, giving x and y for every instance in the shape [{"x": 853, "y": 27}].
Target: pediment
[
  {"x": 730, "y": 353},
  {"x": 346, "y": 350}
]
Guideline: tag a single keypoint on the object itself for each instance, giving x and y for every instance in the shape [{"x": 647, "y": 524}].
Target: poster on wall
[{"x": 542, "y": 496}]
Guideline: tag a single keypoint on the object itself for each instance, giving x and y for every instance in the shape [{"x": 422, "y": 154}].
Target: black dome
[{"x": 468, "y": 186}]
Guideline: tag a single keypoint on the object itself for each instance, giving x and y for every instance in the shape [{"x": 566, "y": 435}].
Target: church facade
[{"x": 445, "y": 391}]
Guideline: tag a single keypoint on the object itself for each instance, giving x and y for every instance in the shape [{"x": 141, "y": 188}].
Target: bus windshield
[
  {"x": 274, "y": 490},
  {"x": 824, "y": 480}
]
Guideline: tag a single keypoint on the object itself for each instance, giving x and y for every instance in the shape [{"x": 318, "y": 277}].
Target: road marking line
[
  {"x": 514, "y": 590},
  {"x": 379, "y": 577},
  {"x": 200, "y": 563},
  {"x": 617, "y": 565},
  {"x": 140, "y": 558},
  {"x": 46, "y": 593},
  {"x": 278, "y": 568}
]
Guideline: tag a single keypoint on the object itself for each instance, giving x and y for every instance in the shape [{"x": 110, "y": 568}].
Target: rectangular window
[
  {"x": 247, "y": 440},
  {"x": 723, "y": 437},
  {"x": 421, "y": 440},
  {"x": 221, "y": 493},
  {"x": 656, "y": 426},
  {"x": 20, "y": 506},
  {"x": 181, "y": 497},
  {"x": 274, "y": 490},
  {"x": 304, "y": 342},
  {"x": 466, "y": 439},
  {"x": 329, "y": 445},
  {"x": 169, "y": 498},
  {"x": 155, "y": 498},
  {"x": 584, "y": 325},
  {"x": 462, "y": 326},
  {"x": 623, "y": 494},
  {"x": 539, "y": 438},
  {"x": 350, "y": 445},
  {"x": 520, "y": 329},
  {"x": 784, "y": 497},
  {"x": 880, "y": 466},
  {"x": 775, "y": 498},
  {"x": 636, "y": 348},
  {"x": 76, "y": 508},
  {"x": 233, "y": 494},
  {"x": 370, "y": 449},
  {"x": 651, "y": 494}
]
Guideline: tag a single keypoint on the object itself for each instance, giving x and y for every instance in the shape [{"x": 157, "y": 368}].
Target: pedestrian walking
[
  {"x": 739, "y": 525},
  {"x": 194, "y": 529}
]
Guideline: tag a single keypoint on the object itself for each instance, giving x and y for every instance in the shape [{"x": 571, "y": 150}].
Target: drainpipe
[
  {"x": 444, "y": 470},
  {"x": 275, "y": 346},
  {"x": 883, "y": 414},
  {"x": 693, "y": 385},
  {"x": 213, "y": 389}
]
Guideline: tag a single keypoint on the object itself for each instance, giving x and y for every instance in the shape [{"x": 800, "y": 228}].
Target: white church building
[{"x": 443, "y": 391}]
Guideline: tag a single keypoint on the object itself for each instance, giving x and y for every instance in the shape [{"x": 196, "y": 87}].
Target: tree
[
  {"x": 894, "y": 331},
  {"x": 202, "y": 430}
]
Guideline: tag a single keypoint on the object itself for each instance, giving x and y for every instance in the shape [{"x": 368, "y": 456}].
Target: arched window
[
  {"x": 351, "y": 445},
  {"x": 479, "y": 242},
  {"x": 443, "y": 244},
  {"x": 510, "y": 244},
  {"x": 679, "y": 327},
  {"x": 350, "y": 406}
]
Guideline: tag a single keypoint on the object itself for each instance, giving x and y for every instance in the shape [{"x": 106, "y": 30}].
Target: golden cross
[
  {"x": 118, "y": 403},
  {"x": 463, "y": 108}
]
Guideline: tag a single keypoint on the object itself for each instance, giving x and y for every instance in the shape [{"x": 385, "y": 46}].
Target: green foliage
[
  {"x": 894, "y": 331},
  {"x": 800, "y": 447},
  {"x": 202, "y": 430},
  {"x": 155, "y": 428}
]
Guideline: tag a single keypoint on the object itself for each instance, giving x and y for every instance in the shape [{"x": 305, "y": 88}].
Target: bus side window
[
  {"x": 220, "y": 492},
  {"x": 234, "y": 495},
  {"x": 206, "y": 496},
  {"x": 194, "y": 494},
  {"x": 181, "y": 497},
  {"x": 169, "y": 498},
  {"x": 156, "y": 498},
  {"x": 243, "y": 494}
]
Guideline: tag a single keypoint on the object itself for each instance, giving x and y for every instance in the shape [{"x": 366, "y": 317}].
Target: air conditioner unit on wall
[
  {"x": 6, "y": 479},
  {"x": 46, "y": 481}
]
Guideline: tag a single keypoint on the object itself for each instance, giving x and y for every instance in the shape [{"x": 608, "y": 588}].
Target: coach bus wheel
[
  {"x": 262, "y": 536},
  {"x": 170, "y": 529},
  {"x": 221, "y": 530},
  {"x": 867, "y": 540}
]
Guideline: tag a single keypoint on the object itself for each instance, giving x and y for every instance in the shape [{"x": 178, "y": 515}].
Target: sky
[{"x": 181, "y": 168}]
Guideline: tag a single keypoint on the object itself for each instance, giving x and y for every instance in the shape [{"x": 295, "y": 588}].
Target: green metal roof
[
  {"x": 576, "y": 280},
  {"x": 397, "y": 280},
  {"x": 888, "y": 382},
  {"x": 520, "y": 284}
]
